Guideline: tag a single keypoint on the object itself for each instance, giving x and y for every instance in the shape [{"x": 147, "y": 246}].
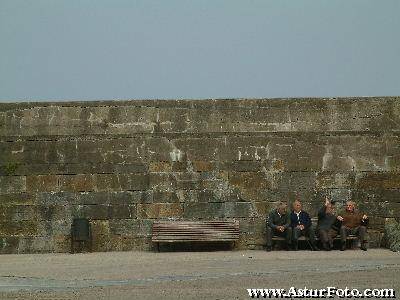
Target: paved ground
[{"x": 190, "y": 275}]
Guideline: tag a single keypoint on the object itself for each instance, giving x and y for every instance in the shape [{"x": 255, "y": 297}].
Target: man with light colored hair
[
  {"x": 278, "y": 223},
  {"x": 301, "y": 224},
  {"x": 353, "y": 222}
]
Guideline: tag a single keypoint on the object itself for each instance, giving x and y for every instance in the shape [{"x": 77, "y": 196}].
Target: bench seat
[{"x": 195, "y": 231}]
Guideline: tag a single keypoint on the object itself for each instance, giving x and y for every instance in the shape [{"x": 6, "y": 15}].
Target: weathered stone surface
[
  {"x": 125, "y": 164},
  {"x": 16, "y": 199},
  {"x": 12, "y": 184},
  {"x": 381, "y": 180},
  {"x": 203, "y": 210},
  {"x": 42, "y": 183},
  {"x": 21, "y": 228},
  {"x": 160, "y": 211},
  {"x": 130, "y": 227},
  {"x": 238, "y": 209}
]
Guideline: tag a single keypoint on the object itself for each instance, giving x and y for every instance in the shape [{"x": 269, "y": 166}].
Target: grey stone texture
[{"x": 124, "y": 164}]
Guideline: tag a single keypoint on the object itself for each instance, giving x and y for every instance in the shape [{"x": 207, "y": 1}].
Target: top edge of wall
[{"x": 189, "y": 102}]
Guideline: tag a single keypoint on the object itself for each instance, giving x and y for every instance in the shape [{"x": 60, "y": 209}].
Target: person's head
[
  {"x": 297, "y": 206},
  {"x": 350, "y": 206},
  {"x": 282, "y": 208}
]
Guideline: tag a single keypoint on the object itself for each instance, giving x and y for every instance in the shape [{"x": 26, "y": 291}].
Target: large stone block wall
[{"x": 124, "y": 164}]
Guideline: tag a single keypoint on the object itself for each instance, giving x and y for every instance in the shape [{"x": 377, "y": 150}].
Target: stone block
[
  {"x": 238, "y": 209},
  {"x": 13, "y": 184},
  {"x": 165, "y": 197},
  {"x": 179, "y": 166},
  {"x": 130, "y": 227},
  {"x": 9, "y": 245},
  {"x": 76, "y": 183},
  {"x": 253, "y": 226},
  {"x": 329, "y": 180},
  {"x": 61, "y": 243},
  {"x": 122, "y": 211},
  {"x": 100, "y": 235},
  {"x": 202, "y": 210},
  {"x": 17, "y": 213},
  {"x": 162, "y": 181},
  {"x": 249, "y": 180},
  {"x": 134, "y": 182},
  {"x": 96, "y": 212},
  {"x": 241, "y": 166},
  {"x": 17, "y": 199},
  {"x": 160, "y": 211},
  {"x": 42, "y": 183},
  {"x": 203, "y": 166},
  {"x": 379, "y": 180},
  {"x": 160, "y": 166},
  {"x": 22, "y": 228},
  {"x": 199, "y": 149}
]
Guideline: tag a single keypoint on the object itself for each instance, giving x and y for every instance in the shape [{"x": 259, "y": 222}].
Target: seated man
[
  {"x": 278, "y": 223},
  {"x": 353, "y": 222},
  {"x": 300, "y": 222},
  {"x": 326, "y": 219}
]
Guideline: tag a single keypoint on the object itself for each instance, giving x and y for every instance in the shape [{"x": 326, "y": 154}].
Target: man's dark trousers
[
  {"x": 360, "y": 231},
  {"x": 307, "y": 232},
  {"x": 287, "y": 234}
]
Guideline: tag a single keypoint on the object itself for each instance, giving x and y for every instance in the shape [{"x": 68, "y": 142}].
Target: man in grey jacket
[{"x": 278, "y": 223}]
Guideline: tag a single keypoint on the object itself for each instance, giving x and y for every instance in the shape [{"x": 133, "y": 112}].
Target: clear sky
[{"x": 116, "y": 49}]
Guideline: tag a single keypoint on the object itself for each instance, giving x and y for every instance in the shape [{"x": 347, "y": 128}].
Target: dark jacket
[
  {"x": 304, "y": 219},
  {"x": 275, "y": 219},
  {"x": 325, "y": 221}
]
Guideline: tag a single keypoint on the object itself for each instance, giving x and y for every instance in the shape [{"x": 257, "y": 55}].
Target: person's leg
[
  {"x": 288, "y": 235},
  {"x": 296, "y": 234},
  {"x": 269, "y": 238},
  {"x": 310, "y": 233},
  {"x": 331, "y": 235},
  {"x": 362, "y": 230},
  {"x": 343, "y": 237},
  {"x": 323, "y": 236}
]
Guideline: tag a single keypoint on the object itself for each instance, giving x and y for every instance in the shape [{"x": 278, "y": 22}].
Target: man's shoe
[
  {"x": 343, "y": 247},
  {"x": 314, "y": 248},
  {"x": 269, "y": 248},
  {"x": 363, "y": 247}
]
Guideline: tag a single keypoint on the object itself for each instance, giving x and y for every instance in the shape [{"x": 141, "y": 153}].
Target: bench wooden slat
[{"x": 179, "y": 231}]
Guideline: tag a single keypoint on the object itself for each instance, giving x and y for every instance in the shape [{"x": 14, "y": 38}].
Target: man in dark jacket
[
  {"x": 278, "y": 223},
  {"x": 300, "y": 222},
  {"x": 326, "y": 220}
]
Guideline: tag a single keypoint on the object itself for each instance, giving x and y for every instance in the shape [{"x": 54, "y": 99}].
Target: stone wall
[{"x": 124, "y": 164}]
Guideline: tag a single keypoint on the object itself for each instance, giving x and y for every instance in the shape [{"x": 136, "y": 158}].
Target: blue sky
[{"x": 89, "y": 50}]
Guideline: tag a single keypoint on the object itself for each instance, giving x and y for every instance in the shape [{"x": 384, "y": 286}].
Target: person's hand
[
  {"x": 301, "y": 227},
  {"x": 281, "y": 228},
  {"x": 364, "y": 217},
  {"x": 327, "y": 202},
  {"x": 340, "y": 218}
]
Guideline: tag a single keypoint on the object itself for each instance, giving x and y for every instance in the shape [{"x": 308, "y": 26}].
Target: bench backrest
[{"x": 175, "y": 231}]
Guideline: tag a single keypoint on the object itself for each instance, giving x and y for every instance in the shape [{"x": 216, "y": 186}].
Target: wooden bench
[{"x": 194, "y": 231}]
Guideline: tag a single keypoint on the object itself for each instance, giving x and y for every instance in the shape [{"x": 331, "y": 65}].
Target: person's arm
[
  {"x": 364, "y": 220},
  {"x": 287, "y": 224},
  {"x": 322, "y": 212},
  {"x": 271, "y": 220},
  {"x": 307, "y": 220}
]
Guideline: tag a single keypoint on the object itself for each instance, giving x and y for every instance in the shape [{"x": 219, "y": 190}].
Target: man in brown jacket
[{"x": 353, "y": 222}]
